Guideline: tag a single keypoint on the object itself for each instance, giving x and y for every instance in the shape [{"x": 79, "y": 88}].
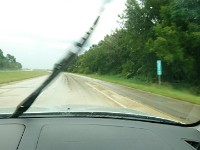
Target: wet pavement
[{"x": 71, "y": 89}]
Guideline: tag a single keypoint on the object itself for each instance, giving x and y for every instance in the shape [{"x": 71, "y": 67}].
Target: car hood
[
  {"x": 80, "y": 110},
  {"x": 72, "y": 108}
]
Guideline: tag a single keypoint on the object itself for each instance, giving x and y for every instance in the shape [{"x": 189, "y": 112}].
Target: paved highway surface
[{"x": 70, "y": 89}]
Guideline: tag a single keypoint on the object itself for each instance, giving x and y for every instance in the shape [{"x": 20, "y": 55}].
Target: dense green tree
[
  {"x": 168, "y": 30},
  {"x": 9, "y": 62}
]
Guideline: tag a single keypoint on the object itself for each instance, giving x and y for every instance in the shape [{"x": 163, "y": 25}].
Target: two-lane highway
[{"x": 71, "y": 89}]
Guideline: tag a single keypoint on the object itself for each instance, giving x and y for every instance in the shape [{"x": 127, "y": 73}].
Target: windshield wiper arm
[{"x": 27, "y": 102}]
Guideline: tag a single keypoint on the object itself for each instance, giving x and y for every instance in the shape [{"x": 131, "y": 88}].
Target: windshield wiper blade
[{"x": 27, "y": 102}]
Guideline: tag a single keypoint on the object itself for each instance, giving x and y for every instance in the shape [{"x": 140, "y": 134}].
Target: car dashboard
[{"x": 77, "y": 133}]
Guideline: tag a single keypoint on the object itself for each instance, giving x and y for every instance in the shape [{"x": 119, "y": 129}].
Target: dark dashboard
[{"x": 94, "y": 133}]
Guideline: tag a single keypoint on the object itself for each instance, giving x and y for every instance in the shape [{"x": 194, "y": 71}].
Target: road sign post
[{"x": 159, "y": 70}]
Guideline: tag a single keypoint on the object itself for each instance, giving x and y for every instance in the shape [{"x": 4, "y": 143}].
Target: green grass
[
  {"x": 165, "y": 89},
  {"x": 10, "y": 76}
]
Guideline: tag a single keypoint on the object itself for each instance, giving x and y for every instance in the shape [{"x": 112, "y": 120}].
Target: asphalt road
[{"x": 70, "y": 89}]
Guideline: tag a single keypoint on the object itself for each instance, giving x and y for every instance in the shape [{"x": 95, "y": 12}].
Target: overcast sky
[{"x": 39, "y": 32}]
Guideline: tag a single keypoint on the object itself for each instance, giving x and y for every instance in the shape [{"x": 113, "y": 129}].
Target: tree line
[
  {"x": 8, "y": 62},
  {"x": 166, "y": 30}
]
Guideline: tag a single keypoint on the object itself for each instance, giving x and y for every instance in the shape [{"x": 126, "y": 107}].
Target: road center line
[{"x": 106, "y": 95}]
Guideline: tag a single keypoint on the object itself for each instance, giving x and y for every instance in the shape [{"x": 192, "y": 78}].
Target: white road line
[{"x": 106, "y": 95}]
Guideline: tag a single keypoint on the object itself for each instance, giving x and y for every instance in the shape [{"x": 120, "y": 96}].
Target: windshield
[{"x": 135, "y": 57}]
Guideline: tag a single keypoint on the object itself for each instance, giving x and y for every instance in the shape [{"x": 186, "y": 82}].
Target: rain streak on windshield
[{"x": 136, "y": 57}]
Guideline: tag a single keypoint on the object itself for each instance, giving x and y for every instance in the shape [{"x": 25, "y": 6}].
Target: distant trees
[
  {"x": 168, "y": 30},
  {"x": 8, "y": 62}
]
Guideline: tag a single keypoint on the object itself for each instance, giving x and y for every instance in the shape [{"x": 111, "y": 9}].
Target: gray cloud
[{"x": 38, "y": 33}]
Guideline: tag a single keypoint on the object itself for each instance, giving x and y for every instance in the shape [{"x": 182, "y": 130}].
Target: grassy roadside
[
  {"x": 10, "y": 76},
  {"x": 164, "y": 90}
]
